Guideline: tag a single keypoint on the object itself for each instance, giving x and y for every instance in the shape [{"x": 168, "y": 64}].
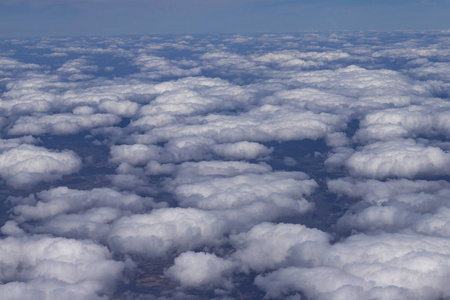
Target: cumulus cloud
[
  {"x": 26, "y": 165},
  {"x": 411, "y": 121},
  {"x": 199, "y": 269},
  {"x": 296, "y": 59},
  {"x": 166, "y": 230},
  {"x": 394, "y": 206},
  {"x": 213, "y": 208},
  {"x": 77, "y": 69},
  {"x": 186, "y": 149},
  {"x": 398, "y": 158},
  {"x": 75, "y": 213},
  {"x": 262, "y": 124},
  {"x": 279, "y": 189},
  {"x": 42, "y": 267},
  {"x": 62, "y": 200},
  {"x": 397, "y": 265},
  {"x": 270, "y": 246},
  {"x": 241, "y": 150},
  {"x": 157, "y": 67},
  {"x": 119, "y": 108},
  {"x": 61, "y": 124}
]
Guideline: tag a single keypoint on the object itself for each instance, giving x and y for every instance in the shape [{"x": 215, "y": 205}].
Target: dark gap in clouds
[
  {"x": 394, "y": 63},
  {"x": 81, "y": 144},
  {"x": 5, "y": 192},
  {"x": 306, "y": 153},
  {"x": 95, "y": 161},
  {"x": 246, "y": 288},
  {"x": 34, "y": 55},
  {"x": 441, "y": 93},
  {"x": 328, "y": 209},
  {"x": 147, "y": 278},
  {"x": 3, "y": 88},
  {"x": 308, "y": 157},
  {"x": 111, "y": 67},
  {"x": 352, "y": 127},
  {"x": 124, "y": 123}
]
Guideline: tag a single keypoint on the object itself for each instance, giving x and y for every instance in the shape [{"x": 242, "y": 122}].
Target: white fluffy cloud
[
  {"x": 185, "y": 149},
  {"x": 26, "y": 165},
  {"x": 398, "y": 158},
  {"x": 61, "y": 124},
  {"x": 398, "y": 265},
  {"x": 395, "y": 205},
  {"x": 63, "y": 200},
  {"x": 264, "y": 123},
  {"x": 241, "y": 150},
  {"x": 157, "y": 67},
  {"x": 406, "y": 122},
  {"x": 42, "y": 267},
  {"x": 119, "y": 108},
  {"x": 200, "y": 269},
  {"x": 278, "y": 189},
  {"x": 270, "y": 246},
  {"x": 166, "y": 230},
  {"x": 75, "y": 213}
]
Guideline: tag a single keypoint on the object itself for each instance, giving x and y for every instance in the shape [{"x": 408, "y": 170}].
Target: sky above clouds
[{"x": 28, "y": 18}]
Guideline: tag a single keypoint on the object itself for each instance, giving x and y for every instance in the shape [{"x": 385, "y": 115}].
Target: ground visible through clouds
[{"x": 287, "y": 166}]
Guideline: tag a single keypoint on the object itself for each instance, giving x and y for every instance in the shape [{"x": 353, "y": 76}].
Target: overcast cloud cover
[{"x": 287, "y": 166}]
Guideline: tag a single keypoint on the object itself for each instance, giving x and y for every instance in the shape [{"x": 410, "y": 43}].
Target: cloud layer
[{"x": 282, "y": 166}]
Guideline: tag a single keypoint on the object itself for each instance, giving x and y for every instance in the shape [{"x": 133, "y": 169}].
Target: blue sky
[{"x": 21, "y": 18}]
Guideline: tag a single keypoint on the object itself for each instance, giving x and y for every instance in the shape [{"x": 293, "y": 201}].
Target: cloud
[
  {"x": 265, "y": 123},
  {"x": 189, "y": 171},
  {"x": 278, "y": 189},
  {"x": 393, "y": 206},
  {"x": 241, "y": 150},
  {"x": 42, "y": 267},
  {"x": 411, "y": 121},
  {"x": 136, "y": 154},
  {"x": 294, "y": 59},
  {"x": 156, "y": 67},
  {"x": 198, "y": 269},
  {"x": 119, "y": 108},
  {"x": 27, "y": 165},
  {"x": 9, "y": 66},
  {"x": 270, "y": 246},
  {"x": 397, "y": 265},
  {"x": 77, "y": 69},
  {"x": 193, "y": 96},
  {"x": 186, "y": 149},
  {"x": 167, "y": 230},
  {"x": 214, "y": 207},
  {"x": 62, "y": 200},
  {"x": 398, "y": 158},
  {"x": 61, "y": 124}
]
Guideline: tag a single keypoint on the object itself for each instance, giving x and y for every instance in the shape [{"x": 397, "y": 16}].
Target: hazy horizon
[{"x": 115, "y": 17}]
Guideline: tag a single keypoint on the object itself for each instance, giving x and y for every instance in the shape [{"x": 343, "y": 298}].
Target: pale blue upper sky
[{"x": 22, "y": 18}]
